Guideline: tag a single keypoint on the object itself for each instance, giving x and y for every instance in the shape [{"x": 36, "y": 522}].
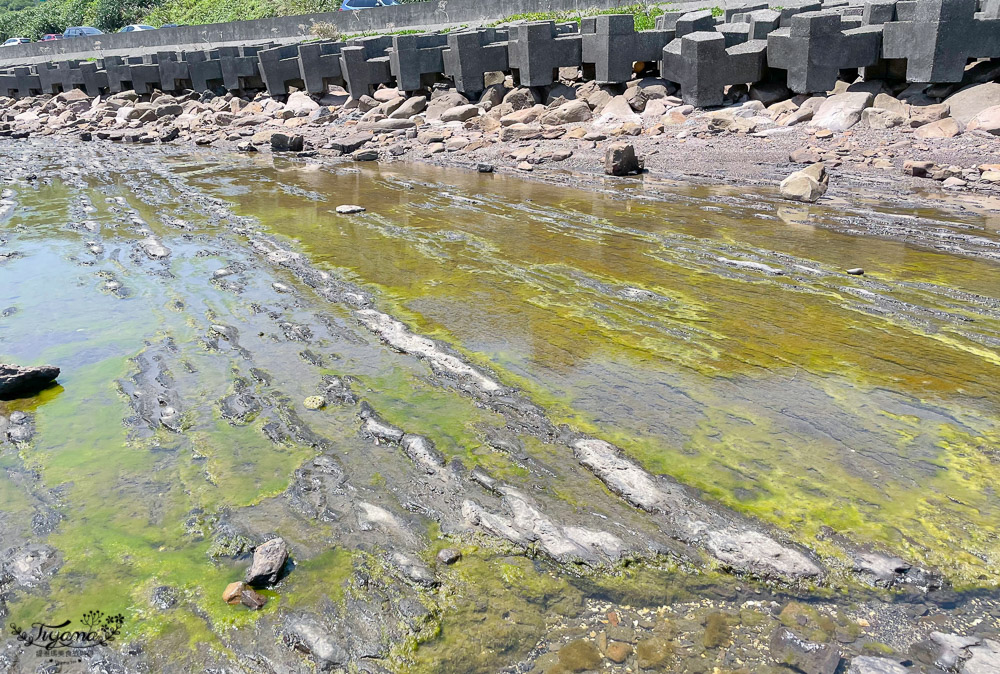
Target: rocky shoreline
[{"x": 869, "y": 133}]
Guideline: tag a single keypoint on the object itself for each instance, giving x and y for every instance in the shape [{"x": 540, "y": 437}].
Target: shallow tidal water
[{"x": 710, "y": 333}]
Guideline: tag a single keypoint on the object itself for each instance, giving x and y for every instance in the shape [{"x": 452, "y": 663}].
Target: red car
[{"x": 51, "y": 36}]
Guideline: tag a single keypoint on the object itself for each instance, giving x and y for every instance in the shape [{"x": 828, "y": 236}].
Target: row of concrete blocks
[{"x": 806, "y": 43}]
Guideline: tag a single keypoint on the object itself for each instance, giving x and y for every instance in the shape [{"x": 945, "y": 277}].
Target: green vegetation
[
  {"x": 645, "y": 15},
  {"x": 31, "y": 19}
]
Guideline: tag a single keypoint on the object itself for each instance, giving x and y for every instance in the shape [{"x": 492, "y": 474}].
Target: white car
[
  {"x": 135, "y": 27},
  {"x": 15, "y": 40}
]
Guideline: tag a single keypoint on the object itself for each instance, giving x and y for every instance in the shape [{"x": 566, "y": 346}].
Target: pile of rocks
[{"x": 518, "y": 125}]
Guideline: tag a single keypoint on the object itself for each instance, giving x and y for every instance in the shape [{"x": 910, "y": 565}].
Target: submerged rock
[
  {"x": 268, "y": 560},
  {"x": 15, "y": 380},
  {"x": 805, "y": 656}
]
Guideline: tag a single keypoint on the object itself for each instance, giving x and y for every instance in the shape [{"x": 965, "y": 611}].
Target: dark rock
[
  {"x": 285, "y": 142},
  {"x": 16, "y": 380},
  {"x": 804, "y": 656},
  {"x": 620, "y": 160},
  {"x": 268, "y": 560},
  {"x": 350, "y": 143},
  {"x": 485, "y": 168},
  {"x": 365, "y": 155},
  {"x": 252, "y": 600}
]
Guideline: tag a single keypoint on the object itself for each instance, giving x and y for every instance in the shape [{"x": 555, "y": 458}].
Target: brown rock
[
  {"x": 231, "y": 595},
  {"x": 620, "y": 160},
  {"x": 925, "y": 114},
  {"x": 949, "y": 127},
  {"x": 618, "y": 652}
]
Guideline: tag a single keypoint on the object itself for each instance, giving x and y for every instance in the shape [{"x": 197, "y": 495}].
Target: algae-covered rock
[{"x": 579, "y": 656}]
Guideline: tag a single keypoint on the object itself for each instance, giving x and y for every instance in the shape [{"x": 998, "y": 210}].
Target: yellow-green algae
[
  {"x": 544, "y": 285},
  {"x": 523, "y": 277}
]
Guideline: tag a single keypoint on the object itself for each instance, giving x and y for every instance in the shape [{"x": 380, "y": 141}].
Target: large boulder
[
  {"x": 617, "y": 112},
  {"x": 970, "y": 101},
  {"x": 268, "y": 560},
  {"x": 880, "y": 118},
  {"x": 411, "y": 106},
  {"x": 567, "y": 113},
  {"x": 925, "y": 114},
  {"x": 301, "y": 103},
  {"x": 841, "y": 111},
  {"x": 16, "y": 381},
  {"x": 460, "y": 113},
  {"x": 620, "y": 160},
  {"x": 987, "y": 120},
  {"x": 985, "y": 658},
  {"x": 949, "y": 127},
  {"x": 522, "y": 97},
  {"x": 807, "y": 185},
  {"x": 443, "y": 102},
  {"x": 286, "y": 142}
]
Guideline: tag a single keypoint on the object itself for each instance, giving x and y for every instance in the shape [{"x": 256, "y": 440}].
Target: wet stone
[
  {"x": 268, "y": 560},
  {"x": 579, "y": 656},
  {"x": 806, "y": 656},
  {"x": 231, "y": 595},
  {"x": 252, "y": 599},
  {"x": 653, "y": 653}
]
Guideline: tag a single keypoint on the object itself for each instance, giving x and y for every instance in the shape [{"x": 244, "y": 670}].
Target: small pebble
[{"x": 857, "y": 271}]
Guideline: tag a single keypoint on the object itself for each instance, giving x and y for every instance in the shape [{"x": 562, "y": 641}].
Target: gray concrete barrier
[{"x": 802, "y": 48}]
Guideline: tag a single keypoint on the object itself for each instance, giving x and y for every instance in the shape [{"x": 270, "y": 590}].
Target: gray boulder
[
  {"x": 268, "y": 560},
  {"x": 15, "y": 381},
  {"x": 969, "y": 102},
  {"x": 841, "y": 111}
]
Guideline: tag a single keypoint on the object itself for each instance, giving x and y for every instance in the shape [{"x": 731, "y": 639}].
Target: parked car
[
  {"x": 365, "y": 4},
  {"x": 172, "y": 25},
  {"x": 48, "y": 37},
  {"x": 15, "y": 40},
  {"x": 135, "y": 27},
  {"x": 81, "y": 31}
]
